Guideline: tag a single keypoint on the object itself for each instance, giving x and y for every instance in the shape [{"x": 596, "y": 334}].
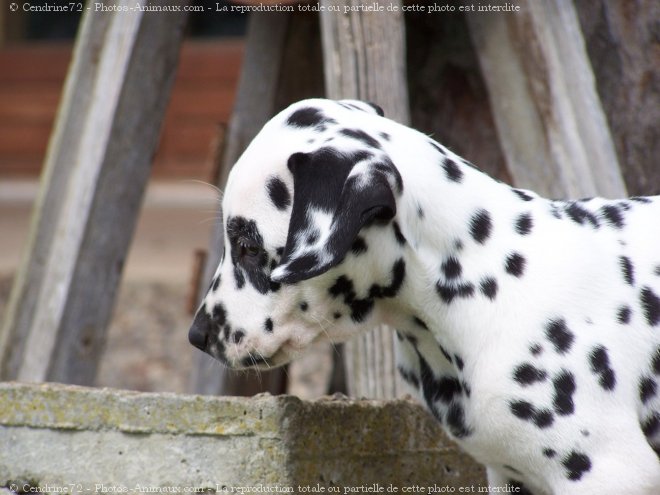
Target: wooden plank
[
  {"x": 549, "y": 119},
  {"x": 96, "y": 169},
  {"x": 622, "y": 42},
  {"x": 364, "y": 57}
]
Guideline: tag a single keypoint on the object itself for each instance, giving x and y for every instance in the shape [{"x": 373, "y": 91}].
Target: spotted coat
[{"x": 529, "y": 327}]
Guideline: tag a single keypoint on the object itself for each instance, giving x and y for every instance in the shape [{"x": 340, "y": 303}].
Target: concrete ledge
[{"x": 64, "y": 436}]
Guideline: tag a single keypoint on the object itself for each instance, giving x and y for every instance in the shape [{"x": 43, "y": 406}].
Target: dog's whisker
[
  {"x": 327, "y": 334},
  {"x": 219, "y": 191}
]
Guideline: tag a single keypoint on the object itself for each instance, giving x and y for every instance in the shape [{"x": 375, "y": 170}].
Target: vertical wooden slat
[
  {"x": 550, "y": 122},
  {"x": 96, "y": 169},
  {"x": 364, "y": 57}
]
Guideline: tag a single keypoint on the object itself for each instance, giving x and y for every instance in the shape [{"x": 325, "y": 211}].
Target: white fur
[{"x": 571, "y": 271}]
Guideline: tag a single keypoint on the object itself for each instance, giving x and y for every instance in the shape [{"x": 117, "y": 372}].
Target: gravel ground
[{"x": 147, "y": 347}]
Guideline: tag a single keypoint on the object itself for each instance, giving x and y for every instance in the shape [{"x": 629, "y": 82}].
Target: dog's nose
[{"x": 198, "y": 335}]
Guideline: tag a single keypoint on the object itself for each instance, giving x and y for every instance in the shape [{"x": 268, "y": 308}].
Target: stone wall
[{"x": 64, "y": 439}]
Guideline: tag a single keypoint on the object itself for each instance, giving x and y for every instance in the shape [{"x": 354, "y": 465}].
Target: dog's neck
[{"x": 460, "y": 227}]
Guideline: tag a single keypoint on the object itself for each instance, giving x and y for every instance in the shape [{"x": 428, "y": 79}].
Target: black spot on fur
[
  {"x": 515, "y": 264},
  {"x": 452, "y": 170},
  {"x": 481, "y": 226},
  {"x": 627, "y": 269},
  {"x": 640, "y": 199},
  {"x": 385, "y": 136},
  {"x": 488, "y": 287},
  {"x": 456, "y": 421},
  {"x": 559, "y": 335},
  {"x": 527, "y": 374},
  {"x": 342, "y": 286},
  {"x": 278, "y": 193},
  {"x": 216, "y": 283},
  {"x": 400, "y": 239},
  {"x": 408, "y": 376},
  {"x": 268, "y": 325},
  {"x": 655, "y": 362},
  {"x": 580, "y": 215},
  {"x": 576, "y": 464},
  {"x": 535, "y": 349},
  {"x": 238, "y": 277},
  {"x": 600, "y": 365},
  {"x": 219, "y": 314},
  {"x": 308, "y": 117},
  {"x": 623, "y": 315},
  {"x": 336, "y": 315},
  {"x": 312, "y": 237},
  {"x": 361, "y": 136},
  {"x": 360, "y": 308},
  {"x": 549, "y": 453},
  {"x": 304, "y": 306},
  {"x": 524, "y": 224},
  {"x": 359, "y": 246},
  {"x": 459, "y": 362},
  {"x": 448, "y": 292},
  {"x": 238, "y": 336},
  {"x": 651, "y": 425},
  {"x": 526, "y": 411},
  {"x": 648, "y": 388},
  {"x": 651, "y": 306},
  {"x": 564, "y": 384},
  {"x": 613, "y": 216},
  {"x": 524, "y": 195},
  {"x": 446, "y": 389},
  {"x": 451, "y": 268}
]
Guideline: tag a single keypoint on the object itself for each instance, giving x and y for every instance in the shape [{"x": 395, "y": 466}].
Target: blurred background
[{"x": 147, "y": 346}]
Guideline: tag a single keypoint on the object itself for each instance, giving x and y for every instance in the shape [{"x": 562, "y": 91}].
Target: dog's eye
[{"x": 248, "y": 251}]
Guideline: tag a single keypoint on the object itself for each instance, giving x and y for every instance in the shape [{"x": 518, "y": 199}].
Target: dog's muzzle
[{"x": 199, "y": 332}]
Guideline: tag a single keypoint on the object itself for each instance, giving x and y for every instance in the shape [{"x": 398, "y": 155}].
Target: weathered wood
[
  {"x": 255, "y": 104},
  {"x": 549, "y": 118},
  {"x": 96, "y": 169},
  {"x": 364, "y": 57},
  {"x": 622, "y": 42}
]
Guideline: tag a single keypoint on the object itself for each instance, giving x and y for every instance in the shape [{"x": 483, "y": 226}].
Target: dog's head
[{"x": 311, "y": 244}]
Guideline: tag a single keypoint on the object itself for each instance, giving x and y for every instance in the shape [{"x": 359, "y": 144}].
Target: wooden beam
[
  {"x": 364, "y": 57},
  {"x": 547, "y": 111},
  {"x": 96, "y": 168}
]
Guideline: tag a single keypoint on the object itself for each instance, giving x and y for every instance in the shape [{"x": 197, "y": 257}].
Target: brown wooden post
[
  {"x": 96, "y": 168},
  {"x": 547, "y": 111},
  {"x": 364, "y": 57}
]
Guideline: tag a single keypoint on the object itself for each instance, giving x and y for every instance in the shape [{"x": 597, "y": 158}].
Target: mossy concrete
[{"x": 105, "y": 440}]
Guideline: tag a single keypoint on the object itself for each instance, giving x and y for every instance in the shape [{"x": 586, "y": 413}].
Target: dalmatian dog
[{"x": 529, "y": 327}]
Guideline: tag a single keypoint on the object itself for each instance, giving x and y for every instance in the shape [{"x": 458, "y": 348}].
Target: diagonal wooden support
[
  {"x": 551, "y": 125},
  {"x": 364, "y": 57},
  {"x": 95, "y": 173}
]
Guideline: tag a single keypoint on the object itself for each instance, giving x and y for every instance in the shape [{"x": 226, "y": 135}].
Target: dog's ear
[{"x": 335, "y": 195}]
